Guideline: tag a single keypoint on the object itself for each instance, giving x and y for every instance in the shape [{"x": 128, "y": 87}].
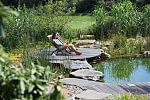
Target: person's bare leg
[
  {"x": 72, "y": 48},
  {"x": 65, "y": 46}
]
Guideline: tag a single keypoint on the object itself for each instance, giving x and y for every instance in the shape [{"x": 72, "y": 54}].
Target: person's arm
[{"x": 61, "y": 40}]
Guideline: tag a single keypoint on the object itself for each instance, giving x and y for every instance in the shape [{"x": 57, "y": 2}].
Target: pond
[{"x": 125, "y": 70}]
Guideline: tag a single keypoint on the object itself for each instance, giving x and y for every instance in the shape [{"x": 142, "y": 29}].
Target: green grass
[
  {"x": 129, "y": 96},
  {"x": 81, "y": 22}
]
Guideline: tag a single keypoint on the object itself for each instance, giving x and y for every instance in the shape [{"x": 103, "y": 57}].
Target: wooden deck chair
[{"x": 62, "y": 50}]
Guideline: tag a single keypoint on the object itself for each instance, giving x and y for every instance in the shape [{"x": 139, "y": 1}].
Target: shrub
[
  {"x": 25, "y": 83},
  {"x": 19, "y": 82}
]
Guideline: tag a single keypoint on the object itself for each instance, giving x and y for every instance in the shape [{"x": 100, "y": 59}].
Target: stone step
[
  {"x": 87, "y": 74},
  {"x": 85, "y": 42},
  {"x": 88, "y": 46},
  {"x": 87, "y": 37}
]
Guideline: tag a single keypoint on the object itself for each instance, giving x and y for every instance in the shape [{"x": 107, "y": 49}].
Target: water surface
[{"x": 125, "y": 70}]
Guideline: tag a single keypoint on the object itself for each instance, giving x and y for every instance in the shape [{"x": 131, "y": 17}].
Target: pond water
[{"x": 125, "y": 70}]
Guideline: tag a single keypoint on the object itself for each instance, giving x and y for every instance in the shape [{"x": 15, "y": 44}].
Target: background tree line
[{"x": 82, "y": 6}]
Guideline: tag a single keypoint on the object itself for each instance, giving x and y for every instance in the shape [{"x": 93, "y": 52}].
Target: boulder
[
  {"x": 104, "y": 56},
  {"x": 145, "y": 53},
  {"x": 105, "y": 49}
]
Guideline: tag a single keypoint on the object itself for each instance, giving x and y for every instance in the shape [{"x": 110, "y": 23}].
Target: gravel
[{"x": 71, "y": 90}]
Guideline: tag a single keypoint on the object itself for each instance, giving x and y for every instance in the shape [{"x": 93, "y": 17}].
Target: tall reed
[
  {"x": 125, "y": 18},
  {"x": 29, "y": 27},
  {"x": 145, "y": 21}
]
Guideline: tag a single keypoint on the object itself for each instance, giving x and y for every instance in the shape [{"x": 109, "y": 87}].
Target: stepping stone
[
  {"x": 83, "y": 42},
  {"x": 84, "y": 84},
  {"x": 75, "y": 65},
  {"x": 87, "y": 74},
  {"x": 94, "y": 85},
  {"x": 88, "y": 46},
  {"x": 92, "y": 95},
  {"x": 87, "y": 36}
]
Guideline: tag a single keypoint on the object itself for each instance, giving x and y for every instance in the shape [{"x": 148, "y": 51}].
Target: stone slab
[
  {"x": 87, "y": 74},
  {"x": 87, "y": 84},
  {"x": 92, "y": 95},
  {"x": 75, "y": 65},
  {"x": 79, "y": 82},
  {"x": 83, "y": 42},
  {"x": 87, "y": 36},
  {"x": 88, "y": 46},
  {"x": 114, "y": 89},
  {"x": 90, "y": 85}
]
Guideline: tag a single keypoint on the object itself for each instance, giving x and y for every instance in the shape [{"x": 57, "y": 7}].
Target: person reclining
[{"x": 60, "y": 44}]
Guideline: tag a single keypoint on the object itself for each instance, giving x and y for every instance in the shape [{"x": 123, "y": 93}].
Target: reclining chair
[{"x": 61, "y": 50}]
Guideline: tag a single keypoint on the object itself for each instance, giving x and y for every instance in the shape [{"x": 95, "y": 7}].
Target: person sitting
[{"x": 60, "y": 44}]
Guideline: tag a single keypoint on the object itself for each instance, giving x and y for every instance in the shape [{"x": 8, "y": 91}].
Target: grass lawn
[{"x": 81, "y": 22}]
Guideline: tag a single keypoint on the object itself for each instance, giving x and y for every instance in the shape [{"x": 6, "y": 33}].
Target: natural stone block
[
  {"x": 75, "y": 65},
  {"x": 87, "y": 74},
  {"x": 92, "y": 95}
]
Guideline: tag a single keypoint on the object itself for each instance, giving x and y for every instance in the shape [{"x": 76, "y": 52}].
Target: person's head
[{"x": 55, "y": 35}]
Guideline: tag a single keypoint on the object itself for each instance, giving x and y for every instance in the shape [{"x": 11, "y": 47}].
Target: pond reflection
[{"x": 125, "y": 70}]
